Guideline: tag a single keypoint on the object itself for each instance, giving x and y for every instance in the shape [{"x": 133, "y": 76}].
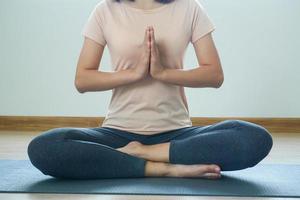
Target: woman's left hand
[{"x": 156, "y": 68}]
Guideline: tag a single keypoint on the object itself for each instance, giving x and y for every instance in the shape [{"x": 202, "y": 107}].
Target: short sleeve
[
  {"x": 93, "y": 28},
  {"x": 201, "y": 22}
]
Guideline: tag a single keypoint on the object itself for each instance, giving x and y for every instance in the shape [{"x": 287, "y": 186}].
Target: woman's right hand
[{"x": 142, "y": 68}]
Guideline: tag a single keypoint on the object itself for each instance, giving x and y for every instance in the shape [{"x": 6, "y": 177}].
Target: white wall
[{"x": 258, "y": 42}]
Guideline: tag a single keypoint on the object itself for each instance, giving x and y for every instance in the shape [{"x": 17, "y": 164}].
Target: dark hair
[{"x": 160, "y": 1}]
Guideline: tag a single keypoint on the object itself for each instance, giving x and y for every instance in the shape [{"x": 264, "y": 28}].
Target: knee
[
  {"x": 257, "y": 142},
  {"x": 40, "y": 142},
  {"x": 40, "y": 149},
  {"x": 36, "y": 152}
]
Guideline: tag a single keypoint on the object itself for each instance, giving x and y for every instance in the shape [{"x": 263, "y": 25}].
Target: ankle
[
  {"x": 144, "y": 151},
  {"x": 153, "y": 168}
]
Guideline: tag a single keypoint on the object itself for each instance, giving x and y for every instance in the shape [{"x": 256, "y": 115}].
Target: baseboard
[{"x": 42, "y": 123}]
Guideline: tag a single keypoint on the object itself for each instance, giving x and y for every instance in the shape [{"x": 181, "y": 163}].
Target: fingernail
[{"x": 217, "y": 169}]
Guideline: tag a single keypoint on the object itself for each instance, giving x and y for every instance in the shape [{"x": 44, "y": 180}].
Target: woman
[{"x": 147, "y": 130}]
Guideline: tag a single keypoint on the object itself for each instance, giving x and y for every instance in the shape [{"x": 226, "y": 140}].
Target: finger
[
  {"x": 146, "y": 40},
  {"x": 146, "y": 34},
  {"x": 153, "y": 35},
  {"x": 152, "y": 43},
  {"x": 155, "y": 49},
  {"x": 146, "y": 37}
]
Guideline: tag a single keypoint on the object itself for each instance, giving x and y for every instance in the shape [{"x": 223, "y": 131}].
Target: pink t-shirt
[{"x": 148, "y": 106}]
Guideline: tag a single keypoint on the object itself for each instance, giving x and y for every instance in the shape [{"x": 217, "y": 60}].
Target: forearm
[
  {"x": 94, "y": 80},
  {"x": 204, "y": 76}
]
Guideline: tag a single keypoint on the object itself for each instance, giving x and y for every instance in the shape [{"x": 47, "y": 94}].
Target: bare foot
[
  {"x": 133, "y": 148},
  {"x": 197, "y": 171},
  {"x": 178, "y": 170},
  {"x": 154, "y": 168},
  {"x": 157, "y": 152}
]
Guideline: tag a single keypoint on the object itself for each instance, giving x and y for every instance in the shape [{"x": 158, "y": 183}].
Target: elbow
[
  {"x": 219, "y": 76},
  {"x": 78, "y": 85},
  {"x": 219, "y": 80}
]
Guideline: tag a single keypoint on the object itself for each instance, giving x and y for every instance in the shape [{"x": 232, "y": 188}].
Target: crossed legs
[
  {"x": 91, "y": 153},
  {"x": 229, "y": 145}
]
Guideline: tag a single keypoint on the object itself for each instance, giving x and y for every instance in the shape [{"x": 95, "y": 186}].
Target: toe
[
  {"x": 212, "y": 175},
  {"x": 212, "y": 168},
  {"x": 216, "y": 168}
]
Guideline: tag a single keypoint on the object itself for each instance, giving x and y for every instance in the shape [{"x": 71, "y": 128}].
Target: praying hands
[
  {"x": 149, "y": 62},
  {"x": 210, "y": 74}
]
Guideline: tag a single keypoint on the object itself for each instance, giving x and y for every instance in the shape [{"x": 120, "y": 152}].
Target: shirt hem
[{"x": 146, "y": 132}]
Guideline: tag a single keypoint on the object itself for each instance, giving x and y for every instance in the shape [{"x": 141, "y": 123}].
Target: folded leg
[
  {"x": 83, "y": 153},
  {"x": 231, "y": 144}
]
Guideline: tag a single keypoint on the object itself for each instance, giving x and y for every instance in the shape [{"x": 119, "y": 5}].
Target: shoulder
[
  {"x": 101, "y": 4},
  {"x": 107, "y": 5},
  {"x": 195, "y": 4},
  {"x": 102, "y": 7},
  {"x": 196, "y": 7},
  {"x": 183, "y": 5},
  {"x": 190, "y": 6}
]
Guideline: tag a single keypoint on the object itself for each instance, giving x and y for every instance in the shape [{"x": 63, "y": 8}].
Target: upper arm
[
  {"x": 202, "y": 40},
  {"x": 90, "y": 56},
  {"x": 207, "y": 53},
  {"x": 94, "y": 40}
]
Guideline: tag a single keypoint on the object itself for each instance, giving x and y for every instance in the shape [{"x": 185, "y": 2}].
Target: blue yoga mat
[{"x": 262, "y": 180}]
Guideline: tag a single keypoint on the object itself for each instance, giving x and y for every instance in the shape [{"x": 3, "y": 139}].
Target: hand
[
  {"x": 156, "y": 68},
  {"x": 141, "y": 70}
]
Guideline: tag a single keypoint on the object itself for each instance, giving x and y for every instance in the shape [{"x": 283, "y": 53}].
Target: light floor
[{"x": 13, "y": 145}]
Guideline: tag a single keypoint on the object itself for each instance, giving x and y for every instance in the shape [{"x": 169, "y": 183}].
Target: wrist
[
  {"x": 126, "y": 75},
  {"x": 134, "y": 76},
  {"x": 160, "y": 75}
]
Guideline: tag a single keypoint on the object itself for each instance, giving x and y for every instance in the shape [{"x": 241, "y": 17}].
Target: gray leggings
[{"x": 89, "y": 153}]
